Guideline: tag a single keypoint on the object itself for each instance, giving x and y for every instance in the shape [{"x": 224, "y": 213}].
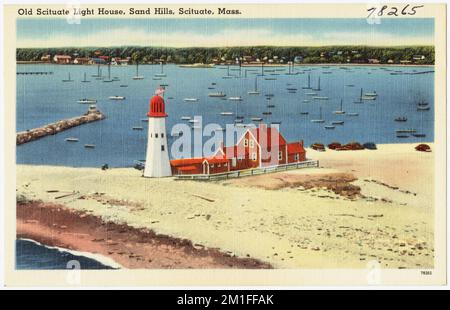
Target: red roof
[
  {"x": 264, "y": 134},
  {"x": 295, "y": 147}
]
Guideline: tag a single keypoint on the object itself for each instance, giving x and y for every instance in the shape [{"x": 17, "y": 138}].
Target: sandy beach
[{"x": 359, "y": 207}]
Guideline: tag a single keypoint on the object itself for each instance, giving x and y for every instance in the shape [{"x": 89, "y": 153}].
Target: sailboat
[
  {"x": 360, "y": 97},
  {"x": 162, "y": 74},
  {"x": 421, "y": 134},
  {"x": 255, "y": 92},
  {"x": 318, "y": 85},
  {"x": 124, "y": 85},
  {"x": 85, "y": 80},
  {"x": 228, "y": 76},
  {"x": 340, "y": 111},
  {"x": 68, "y": 79},
  {"x": 137, "y": 76},
  {"x": 109, "y": 75},
  {"x": 98, "y": 72},
  {"x": 309, "y": 82},
  {"x": 320, "y": 120}
]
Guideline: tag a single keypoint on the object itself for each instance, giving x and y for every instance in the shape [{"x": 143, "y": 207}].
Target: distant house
[
  {"x": 405, "y": 62},
  {"x": 418, "y": 57},
  {"x": 97, "y": 61},
  {"x": 81, "y": 61},
  {"x": 390, "y": 61},
  {"x": 46, "y": 58},
  {"x": 298, "y": 59},
  {"x": 339, "y": 53},
  {"x": 62, "y": 59},
  {"x": 373, "y": 61}
]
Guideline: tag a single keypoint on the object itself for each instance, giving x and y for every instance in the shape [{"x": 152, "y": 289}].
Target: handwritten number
[
  {"x": 371, "y": 11},
  {"x": 393, "y": 10},
  {"x": 413, "y": 9}
]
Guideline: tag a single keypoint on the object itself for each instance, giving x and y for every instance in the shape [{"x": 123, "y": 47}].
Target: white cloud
[{"x": 240, "y": 37}]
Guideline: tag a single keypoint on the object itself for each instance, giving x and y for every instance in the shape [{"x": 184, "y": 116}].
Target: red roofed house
[{"x": 258, "y": 147}]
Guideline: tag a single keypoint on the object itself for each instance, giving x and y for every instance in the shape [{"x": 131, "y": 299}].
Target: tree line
[{"x": 326, "y": 54}]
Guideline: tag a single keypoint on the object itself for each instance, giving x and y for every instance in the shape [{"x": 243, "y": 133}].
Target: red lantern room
[{"x": 157, "y": 107}]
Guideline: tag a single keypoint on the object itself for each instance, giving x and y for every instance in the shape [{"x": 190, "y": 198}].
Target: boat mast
[
  {"x": 309, "y": 80},
  {"x": 256, "y": 83}
]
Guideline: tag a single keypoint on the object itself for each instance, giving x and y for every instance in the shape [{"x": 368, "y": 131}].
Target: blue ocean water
[
  {"x": 31, "y": 255},
  {"x": 43, "y": 99}
]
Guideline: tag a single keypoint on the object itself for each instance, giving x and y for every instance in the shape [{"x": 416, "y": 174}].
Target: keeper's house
[{"x": 258, "y": 147}]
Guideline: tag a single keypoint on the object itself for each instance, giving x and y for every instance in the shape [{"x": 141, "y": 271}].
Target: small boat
[
  {"x": 309, "y": 82},
  {"x": 68, "y": 79},
  {"x": 270, "y": 79},
  {"x": 402, "y": 136},
  {"x": 304, "y": 113},
  {"x": 240, "y": 117},
  {"x": 255, "y": 91},
  {"x": 306, "y": 100},
  {"x": 192, "y": 121},
  {"x": 276, "y": 122},
  {"x": 422, "y": 103},
  {"x": 337, "y": 123},
  {"x": 318, "y": 85},
  {"x": 360, "y": 97},
  {"x": 372, "y": 94},
  {"x": 87, "y": 101},
  {"x": 196, "y": 127},
  {"x": 123, "y": 85},
  {"x": 291, "y": 89},
  {"x": 164, "y": 85},
  {"x": 161, "y": 74},
  {"x": 137, "y": 76},
  {"x": 218, "y": 94},
  {"x": 401, "y": 119},
  {"x": 115, "y": 79},
  {"x": 213, "y": 83},
  {"x": 156, "y": 78},
  {"x": 116, "y": 98},
  {"x": 71, "y": 139},
  {"x": 84, "y": 79},
  {"x": 235, "y": 98},
  {"x": 267, "y": 113},
  {"x": 185, "y": 118},
  {"x": 352, "y": 114},
  {"x": 419, "y": 135},
  {"x": 89, "y": 146},
  {"x": 329, "y": 127},
  {"x": 190, "y": 99},
  {"x": 145, "y": 120},
  {"x": 368, "y": 97},
  {"x": 137, "y": 128},
  {"x": 226, "y": 113},
  {"x": 320, "y": 119},
  {"x": 421, "y": 108},
  {"x": 269, "y": 95},
  {"x": 405, "y": 131},
  {"x": 109, "y": 75},
  {"x": 320, "y": 98},
  {"x": 211, "y": 87},
  {"x": 170, "y": 98},
  {"x": 311, "y": 94},
  {"x": 270, "y": 106},
  {"x": 350, "y": 85},
  {"x": 238, "y": 121},
  {"x": 340, "y": 111},
  {"x": 256, "y": 119}
]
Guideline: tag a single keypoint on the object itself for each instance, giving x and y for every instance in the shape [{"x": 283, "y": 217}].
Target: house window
[
  {"x": 156, "y": 135},
  {"x": 253, "y": 156},
  {"x": 252, "y": 143},
  {"x": 162, "y": 148},
  {"x": 296, "y": 157},
  {"x": 219, "y": 165},
  {"x": 233, "y": 162},
  {"x": 280, "y": 155},
  {"x": 225, "y": 164},
  {"x": 212, "y": 166},
  {"x": 245, "y": 142}
]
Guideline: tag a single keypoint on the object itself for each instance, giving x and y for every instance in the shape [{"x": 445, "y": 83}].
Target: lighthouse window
[
  {"x": 246, "y": 142},
  {"x": 280, "y": 155},
  {"x": 252, "y": 143},
  {"x": 156, "y": 135},
  {"x": 162, "y": 135},
  {"x": 162, "y": 148}
]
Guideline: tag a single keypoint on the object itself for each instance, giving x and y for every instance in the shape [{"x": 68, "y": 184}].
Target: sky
[{"x": 56, "y": 32}]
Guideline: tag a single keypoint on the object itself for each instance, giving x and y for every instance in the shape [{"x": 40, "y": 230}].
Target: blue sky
[{"x": 223, "y": 32}]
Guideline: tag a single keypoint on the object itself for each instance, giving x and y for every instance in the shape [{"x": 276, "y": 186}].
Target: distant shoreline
[{"x": 243, "y": 65}]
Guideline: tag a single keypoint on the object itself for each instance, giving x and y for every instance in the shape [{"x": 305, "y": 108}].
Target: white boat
[
  {"x": 218, "y": 94},
  {"x": 320, "y": 98},
  {"x": 190, "y": 99},
  {"x": 89, "y": 146},
  {"x": 85, "y": 80},
  {"x": 192, "y": 121},
  {"x": 309, "y": 82},
  {"x": 337, "y": 123},
  {"x": 68, "y": 79},
  {"x": 235, "y": 98},
  {"x": 137, "y": 76},
  {"x": 123, "y": 85},
  {"x": 329, "y": 127},
  {"x": 368, "y": 98},
  {"x": 256, "y": 119},
  {"x": 372, "y": 94},
  {"x": 116, "y": 98},
  {"x": 185, "y": 118},
  {"x": 311, "y": 94},
  {"x": 137, "y": 128},
  {"x": 306, "y": 100},
  {"x": 87, "y": 101},
  {"x": 320, "y": 120},
  {"x": 156, "y": 78},
  {"x": 352, "y": 114},
  {"x": 71, "y": 139},
  {"x": 226, "y": 113},
  {"x": 340, "y": 111}
]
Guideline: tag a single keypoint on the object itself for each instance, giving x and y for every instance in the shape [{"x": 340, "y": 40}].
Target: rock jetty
[{"x": 91, "y": 115}]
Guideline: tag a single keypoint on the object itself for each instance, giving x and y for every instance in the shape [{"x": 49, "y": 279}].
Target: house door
[{"x": 205, "y": 168}]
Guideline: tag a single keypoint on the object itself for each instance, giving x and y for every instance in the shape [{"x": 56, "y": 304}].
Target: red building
[{"x": 258, "y": 147}]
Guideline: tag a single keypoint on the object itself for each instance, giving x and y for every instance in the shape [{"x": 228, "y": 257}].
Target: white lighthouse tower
[{"x": 157, "y": 163}]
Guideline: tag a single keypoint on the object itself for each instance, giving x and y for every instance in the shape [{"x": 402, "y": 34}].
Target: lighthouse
[{"x": 157, "y": 163}]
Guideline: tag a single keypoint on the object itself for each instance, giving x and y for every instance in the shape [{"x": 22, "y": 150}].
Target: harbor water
[{"x": 43, "y": 99}]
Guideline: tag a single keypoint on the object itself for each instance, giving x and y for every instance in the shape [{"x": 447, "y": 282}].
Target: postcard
[{"x": 225, "y": 145}]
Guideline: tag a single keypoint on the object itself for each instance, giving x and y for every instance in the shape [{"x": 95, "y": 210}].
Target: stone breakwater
[{"x": 54, "y": 128}]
